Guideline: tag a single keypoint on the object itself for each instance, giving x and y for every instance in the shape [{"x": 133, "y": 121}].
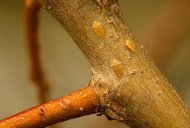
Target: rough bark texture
[{"x": 125, "y": 78}]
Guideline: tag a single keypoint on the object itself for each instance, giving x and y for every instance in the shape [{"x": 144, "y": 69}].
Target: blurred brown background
[{"x": 65, "y": 65}]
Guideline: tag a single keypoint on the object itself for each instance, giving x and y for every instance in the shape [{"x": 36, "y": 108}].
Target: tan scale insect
[
  {"x": 131, "y": 45},
  {"x": 117, "y": 67},
  {"x": 98, "y": 28}
]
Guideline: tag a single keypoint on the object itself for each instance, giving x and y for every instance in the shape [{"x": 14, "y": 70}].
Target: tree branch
[
  {"x": 125, "y": 76},
  {"x": 126, "y": 85},
  {"x": 77, "y": 104}
]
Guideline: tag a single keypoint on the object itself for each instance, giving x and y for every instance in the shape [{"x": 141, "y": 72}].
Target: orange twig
[
  {"x": 79, "y": 103},
  {"x": 31, "y": 10}
]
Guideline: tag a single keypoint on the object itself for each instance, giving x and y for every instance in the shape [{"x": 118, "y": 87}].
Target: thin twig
[
  {"x": 31, "y": 10},
  {"x": 77, "y": 104}
]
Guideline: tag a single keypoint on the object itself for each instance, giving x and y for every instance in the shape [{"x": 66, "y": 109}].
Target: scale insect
[
  {"x": 98, "y": 28},
  {"x": 117, "y": 67},
  {"x": 131, "y": 45}
]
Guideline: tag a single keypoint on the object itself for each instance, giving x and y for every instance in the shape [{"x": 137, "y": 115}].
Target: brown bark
[
  {"x": 124, "y": 76},
  {"x": 127, "y": 83}
]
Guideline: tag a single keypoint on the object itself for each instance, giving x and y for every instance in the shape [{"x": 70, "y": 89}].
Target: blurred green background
[{"x": 65, "y": 65}]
